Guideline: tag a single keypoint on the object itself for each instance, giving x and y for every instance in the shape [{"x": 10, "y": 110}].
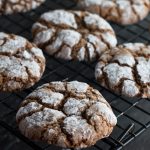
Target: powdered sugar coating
[
  {"x": 12, "y": 45},
  {"x": 61, "y": 17},
  {"x": 48, "y": 97},
  {"x": 79, "y": 129},
  {"x": 99, "y": 45},
  {"x": 143, "y": 69},
  {"x": 44, "y": 36},
  {"x": 78, "y": 87},
  {"x": 81, "y": 54},
  {"x": 94, "y": 21},
  {"x": 21, "y": 63},
  {"x": 125, "y": 59},
  {"x": 72, "y": 112},
  {"x": 91, "y": 2},
  {"x": 13, "y": 6},
  {"x": 120, "y": 11},
  {"x": 126, "y": 70},
  {"x": 39, "y": 120},
  {"x": 130, "y": 88},
  {"x": 100, "y": 109},
  {"x": 68, "y": 37},
  {"x": 30, "y": 107},
  {"x": 75, "y": 107},
  {"x": 76, "y": 35},
  {"x": 115, "y": 73}
]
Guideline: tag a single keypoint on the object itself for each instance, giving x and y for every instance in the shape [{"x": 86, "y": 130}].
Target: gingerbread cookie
[
  {"x": 14, "y": 6},
  {"x": 73, "y": 35},
  {"x": 66, "y": 114},
  {"x": 120, "y": 11},
  {"x": 21, "y": 63},
  {"x": 126, "y": 70}
]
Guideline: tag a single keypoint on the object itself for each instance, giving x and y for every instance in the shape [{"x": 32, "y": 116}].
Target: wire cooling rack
[{"x": 133, "y": 114}]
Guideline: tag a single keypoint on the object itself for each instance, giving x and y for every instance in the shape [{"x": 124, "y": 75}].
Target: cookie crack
[
  {"x": 76, "y": 48},
  {"x": 137, "y": 78},
  {"x": 50, "y": 25},
  {"x": 88, "y": 93},
  {"x": 121, "y": 65},
  {"x": 29, "y": 114},
  {"x": 134, "y": 11},
  {"x": 61, "y": 133},
  {"x": 67, "y": 135},
  {"x": 83, "y": 29},
  {"x": 49, "y": 126}
]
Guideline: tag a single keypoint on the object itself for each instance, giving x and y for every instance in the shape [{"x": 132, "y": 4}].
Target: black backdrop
[{"x": 129, "y": 111}]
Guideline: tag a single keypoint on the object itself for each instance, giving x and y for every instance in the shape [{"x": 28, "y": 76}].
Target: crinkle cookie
[
  {"x": 73, "y": 35},
  {"x": 14, "y": 6},
  {"x": 21, "y": 63},
  {"x": 66, "y": 114},
  {"x": 126, "y": 70},
  {"x": 119, "y": 11}
]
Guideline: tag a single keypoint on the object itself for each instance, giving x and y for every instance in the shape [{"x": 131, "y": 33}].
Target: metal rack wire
[{"x": 133, "y": 114}]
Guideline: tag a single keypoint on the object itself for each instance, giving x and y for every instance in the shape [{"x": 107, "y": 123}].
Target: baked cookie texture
[
  {"x": 67, "y": 114},
  {"x": 126, "y": 70},
  {"x": 73, "y": 35},
  {"x": 120, "y": 11},
  {"x": 14, "y": 6},
  {"x": 21, "y": 63}
]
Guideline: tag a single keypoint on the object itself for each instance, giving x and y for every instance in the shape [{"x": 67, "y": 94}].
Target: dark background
[{"x": 128, "y": 111}]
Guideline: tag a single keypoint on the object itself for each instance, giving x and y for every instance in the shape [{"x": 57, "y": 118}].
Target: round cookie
[
  {"x": 66, "y": 114},
  {"x": 14, "y": 6},
  {"x": 73, "y": 35},
  {"x": 21, "y": 63},
  {"x": 126, "y": 70},
  {"x": 120, "y": 11}
]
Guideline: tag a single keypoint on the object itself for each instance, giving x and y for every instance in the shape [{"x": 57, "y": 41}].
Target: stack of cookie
[{"x": 73, "y": 114}]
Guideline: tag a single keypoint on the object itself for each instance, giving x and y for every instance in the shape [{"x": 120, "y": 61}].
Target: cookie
[
  {"x": 73, "y": 35},
  {"x": 126, "y": 70},
  {"x": 120, "y": 11},
  {"x": 14, "y": 6},
  {"x": 21, "y": 63},
  {"x": 66, "y": 114}
]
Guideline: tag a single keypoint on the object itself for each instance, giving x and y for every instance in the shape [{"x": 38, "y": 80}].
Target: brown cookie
[
  {"x": 126, "y": 70},
  {"x": 21, "y": 63},
  {"x": 120, "y": 11},
  {"x": 14, "y": 6},
  {"x": 73, "y": 35},
  {"x": 66, "y": 114}
]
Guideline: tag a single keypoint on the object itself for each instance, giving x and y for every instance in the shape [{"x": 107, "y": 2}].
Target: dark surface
[
  {"x": 141, "y": 142},
  {"x": 128, "y": 111}
]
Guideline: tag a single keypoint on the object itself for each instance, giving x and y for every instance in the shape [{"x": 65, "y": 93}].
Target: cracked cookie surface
[
  {"x": 14, "y": 6},
  {"x": 66, "y": 114},
  {"x": 21, "y": 63},
  {"x": 119, "y": 11},
  {"x": 126, "y": 70},
  {"x": 73, "y": 35}
]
